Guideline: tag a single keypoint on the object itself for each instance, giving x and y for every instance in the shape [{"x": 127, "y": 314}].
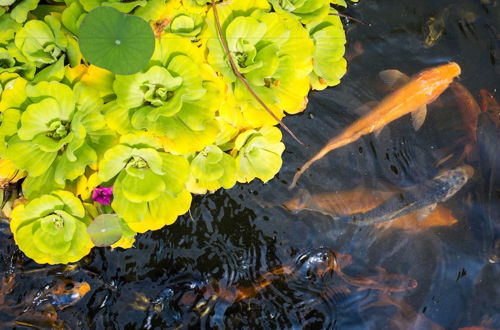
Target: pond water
[{"x": 238, "y": 260}]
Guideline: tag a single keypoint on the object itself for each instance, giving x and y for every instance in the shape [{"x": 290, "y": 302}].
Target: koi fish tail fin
[{"x": 331, "y": 145}]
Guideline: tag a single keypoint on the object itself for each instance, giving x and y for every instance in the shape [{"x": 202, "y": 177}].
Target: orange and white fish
[{"x": 422, "y": 89}]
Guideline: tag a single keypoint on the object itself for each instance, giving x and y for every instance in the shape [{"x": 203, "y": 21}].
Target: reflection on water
[{"x": 241, "y": 260}]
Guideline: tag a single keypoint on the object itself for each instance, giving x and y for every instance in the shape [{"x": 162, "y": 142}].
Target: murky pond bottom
[{"x": 240, "y": 260}]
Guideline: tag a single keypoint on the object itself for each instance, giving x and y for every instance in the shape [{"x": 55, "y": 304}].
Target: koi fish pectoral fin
[
  {"x": 418, "y": 117},
  {"x": 424, "y": 212}
]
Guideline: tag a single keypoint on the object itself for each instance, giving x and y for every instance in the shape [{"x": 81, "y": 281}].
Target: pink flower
[{"x": 102, "y": 195}]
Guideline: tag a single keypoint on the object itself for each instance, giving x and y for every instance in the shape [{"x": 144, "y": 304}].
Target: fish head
[
  {"x": 455, "y": 179},
  {"x": 446, "y": 71},
  {"x": 67, "y": 293},
  {"x": 390, "y": 282},
  {"x": 299, "y": 202},
  {"x": 437, "y": 79},
  {"x": 316, "y": 262}
]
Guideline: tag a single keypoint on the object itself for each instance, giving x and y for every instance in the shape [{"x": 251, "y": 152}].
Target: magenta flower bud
[{"x": 102, "y": 195}]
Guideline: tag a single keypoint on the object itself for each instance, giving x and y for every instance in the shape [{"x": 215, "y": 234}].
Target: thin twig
[
  {"x": 242, "y": 78},
  {"x": 351, "y": 18}
]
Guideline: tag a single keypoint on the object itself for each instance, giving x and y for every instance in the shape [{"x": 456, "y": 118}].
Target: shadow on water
[{"x": 241, "y": 260}]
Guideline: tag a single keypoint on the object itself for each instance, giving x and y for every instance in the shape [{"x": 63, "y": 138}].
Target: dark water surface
[{"x": 188, "y": 274}]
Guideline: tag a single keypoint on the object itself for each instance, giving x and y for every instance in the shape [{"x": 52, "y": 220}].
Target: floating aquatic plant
[
  {"x": 124, "y": 43},
  {"x": 258, "y": 154},
  {"x": 52, "y": 228},
  {"x": 59, "y": 132},
  {"x": 113, "y": 113},
  {"x": 149, "y": 184}
]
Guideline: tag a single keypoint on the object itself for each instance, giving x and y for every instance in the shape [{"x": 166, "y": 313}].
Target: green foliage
[
  {"x": 329, "y": 63},
  {"x": 52, "y": 228},
  {"x": 212, "y": 169},
  {"x": 105, "y": 230},
  {"x": 273, "y": 53},
  {"x": 125, "y": 43},
  {"x": 258, "y": 154},
  {"x": 17, "y": 9},
  {"x": 58, "y": 132},
  {"x": 304, "y": 10},
  {"x": 115, "y": 142},
  {"x": 149, "y": 189}
]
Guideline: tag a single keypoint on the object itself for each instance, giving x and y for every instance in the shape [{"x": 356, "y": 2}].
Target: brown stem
[
  {"x": 351, "y": 18},
  {"x": 241, "y": 77}
]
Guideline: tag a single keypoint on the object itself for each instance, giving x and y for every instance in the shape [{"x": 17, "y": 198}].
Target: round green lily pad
[
  {"x": 120, "y": 43},
  {"x": 105, "y": 230}
]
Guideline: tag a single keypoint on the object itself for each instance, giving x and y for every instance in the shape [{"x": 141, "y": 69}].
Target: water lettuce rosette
[
  {"x": 44, "y": 42},
  {"x": 52, "y": 228},
  {"x": 17, "y": 9},
  {"x": 173, "y": 98},
  {"x": 304, "y": 10},
  {"x": 258, "y": 154},
  {"x": 212, "y": 169},
  {"x": 60, "y": 132},
  {"x": 271, "y": 51},
  {"x": 149, "y": 190},
  {"x": 11, "y": 58},
  {"x": 186, "y": 24},
  {"x": 329, "y": 63}
]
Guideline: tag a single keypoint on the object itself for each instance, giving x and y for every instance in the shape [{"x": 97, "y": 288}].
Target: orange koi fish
[
  {"x": 422, "y": 219},
  {"x": 422, "y": 89},
  {"x": 337, "y": 204}
]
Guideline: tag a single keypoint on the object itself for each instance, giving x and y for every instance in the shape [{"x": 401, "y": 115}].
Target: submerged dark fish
[
  {"x": 434, "y": 27},
  {"x": 66, "y": 293},
  {"x": 488, "y": 137},
  {"x": 40, "y": 308},
  {"x": 312, "y": 265},
  {"x": 469, "y": 109},
  {"x": 490, "y": 106}
]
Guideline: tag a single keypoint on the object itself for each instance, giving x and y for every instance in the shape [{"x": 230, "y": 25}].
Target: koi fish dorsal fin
[
  {"x": 365, "y": 108},
  {"x": 395, "y": 79}
]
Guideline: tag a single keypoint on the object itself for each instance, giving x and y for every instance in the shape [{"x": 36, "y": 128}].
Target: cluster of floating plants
[{"x": 113, "y": 113}]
